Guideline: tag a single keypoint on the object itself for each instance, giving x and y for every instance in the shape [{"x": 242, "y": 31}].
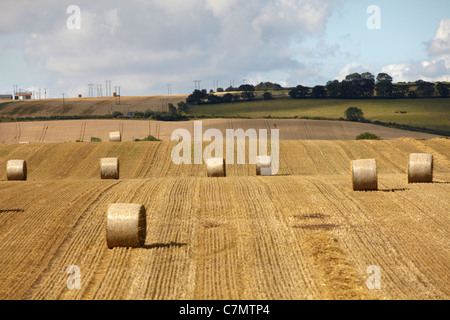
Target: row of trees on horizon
[{"x": 354, "y": 86}]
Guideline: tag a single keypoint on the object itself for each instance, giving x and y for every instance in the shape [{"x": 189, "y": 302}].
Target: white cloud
[
  {"x": 350, "y": 68},
  {"x": 440, "y": 44},
  {"x": 112, "y": 20},
  {"x": 284, "y": 20},
  {"x": 396, "y": 71},
  {"x": 321, "y": 50},
  {"x": 143, "y": 45},
  {"x": 435, "y": 69},
  {"x": 220, "y": 7}
]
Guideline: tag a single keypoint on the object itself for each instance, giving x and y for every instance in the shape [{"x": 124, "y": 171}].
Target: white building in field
[{"x": 21, "y": 95}]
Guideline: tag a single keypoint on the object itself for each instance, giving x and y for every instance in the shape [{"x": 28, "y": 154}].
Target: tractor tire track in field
[
  {"x": 83, "y": 247},
  {"x": 308, "y": 135},
  {"x": 387, "y": 245},
  {"x": 278, "y": 267},
  {"x": 306, "y": 236},
  {"x": 215, "y": 246},
  {"x": 318, "y": 228},
  {"x": 41, "y": 233},
  {"x": 82, "y": 131},
  {"x": 17, "y": 135},
  {"x": 344, "y": 134},
  {"x": 44, "y": 133}
]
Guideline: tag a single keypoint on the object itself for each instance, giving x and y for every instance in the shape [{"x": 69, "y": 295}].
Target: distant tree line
[
  {"x": 354, "y": 86},
  {"x": 365, "y": 85},
  {"x": 247, "y": 93}
]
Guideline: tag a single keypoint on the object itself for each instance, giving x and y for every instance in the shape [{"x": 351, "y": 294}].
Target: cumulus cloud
[
  {"x": 435, "y": 69},
  {"x": 143, "y": 45},
  {"x": 352, "y": 67},
  {"x": 321, "y": 50},
  {"x": 440, "y": 44},
  {"x": 220, "y": 7},
  {"x": 283, "y": 19}
]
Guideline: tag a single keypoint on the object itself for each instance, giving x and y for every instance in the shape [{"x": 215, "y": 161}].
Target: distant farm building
[
  {"x": 22, "y": 95},
  {"x": 5, "y": 97}
]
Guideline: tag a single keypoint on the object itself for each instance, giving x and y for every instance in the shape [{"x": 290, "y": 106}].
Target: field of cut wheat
[
  {"x": 302, "y": 234},
  {"x": 289, "y": 129}
]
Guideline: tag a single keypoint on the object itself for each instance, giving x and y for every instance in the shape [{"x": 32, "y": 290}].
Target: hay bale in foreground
[
  {"x": 16, "y": 170},
  {"x": 263, "y": 166},
  {"x": 109, "y": 168},
  {"x": 420, "y": 168},
  {"x": 364, "y": 174},
  {"x": 115, "y": 136},
  {"x": 126, "y": 225},
  {"x": 215, "y": 167}
]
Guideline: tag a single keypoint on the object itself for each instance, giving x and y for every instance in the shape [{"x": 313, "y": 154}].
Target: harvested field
[
  {"x": 303, "y": 234},
  {"x": 88, "y": 106},
  {"x": 427, "y": 113},
  {"x": 290, "y": 129}
]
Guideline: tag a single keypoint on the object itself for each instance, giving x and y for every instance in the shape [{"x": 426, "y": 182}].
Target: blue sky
[{"x": 145, "y": 45}]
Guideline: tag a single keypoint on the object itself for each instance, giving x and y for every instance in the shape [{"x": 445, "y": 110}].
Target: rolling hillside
[
  {"x": 289, "y": 129},
  {"x": 421, "y": 113},
  {"x": 303, "y": 234}
]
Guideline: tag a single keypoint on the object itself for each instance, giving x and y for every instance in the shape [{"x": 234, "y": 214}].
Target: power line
[
  {"x": 91, "y": 90},
  {"x": 108, "y": 88},
  {"x": 99, "y": 90},
  {"x": 117, "y": 91},
  {"x": 215, "y": 85},
  {"x": 197, "y": 84}
]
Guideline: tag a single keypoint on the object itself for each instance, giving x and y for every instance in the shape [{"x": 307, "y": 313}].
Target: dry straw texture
[
  {"x": 364, "y": 174},
  {"x": 420, "y": 168},
  {"x": 115, "y": 136},
  {"x": 215, "y": 167},
  {"x": 263, "y": 166},
  {"x": 126, "y": 225},
  {"x": 109, "y": 168},
  {"x": 16, "y": 170}
]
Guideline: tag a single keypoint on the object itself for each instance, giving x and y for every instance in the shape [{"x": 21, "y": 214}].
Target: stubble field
[
  {"x": 289, "y": 129},
  {"x": 303, "y": 234}
]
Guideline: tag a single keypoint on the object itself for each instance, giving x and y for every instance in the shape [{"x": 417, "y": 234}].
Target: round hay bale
[
  {"x": 115, "y": 136},
  {"x": 16, "y": 170},
  {"x": 263, "y": 166},
  {"x": 215, "y": 167},
  {"x": 126, "y": 225},
  {"x": 364, "y": 174},
  {"x": 420, "y": 168},
  {"x": 109, "y": 168}
]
